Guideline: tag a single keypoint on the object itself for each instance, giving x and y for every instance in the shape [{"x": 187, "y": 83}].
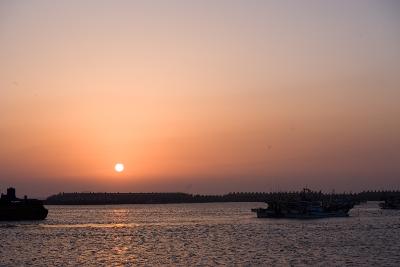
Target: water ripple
[{"x": 199, "y": 234}]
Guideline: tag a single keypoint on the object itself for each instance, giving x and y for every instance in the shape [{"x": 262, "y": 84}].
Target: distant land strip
[{"x": 171, "y": 198}]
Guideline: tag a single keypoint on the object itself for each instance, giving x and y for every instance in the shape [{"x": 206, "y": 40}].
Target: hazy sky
[{"x": 199, "y": 96}]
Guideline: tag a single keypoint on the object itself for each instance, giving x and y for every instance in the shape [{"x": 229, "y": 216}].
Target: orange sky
[{"x": 201, "y": 98}]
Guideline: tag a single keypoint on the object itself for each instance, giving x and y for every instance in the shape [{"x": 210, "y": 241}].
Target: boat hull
[
  {"x": 265, "y": 213},
  {"x": 389, "y": 206},
  {"x": 21, "y": 212}
]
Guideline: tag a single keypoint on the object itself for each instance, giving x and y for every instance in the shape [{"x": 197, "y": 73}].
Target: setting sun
[{"x": 119, "y": 167}]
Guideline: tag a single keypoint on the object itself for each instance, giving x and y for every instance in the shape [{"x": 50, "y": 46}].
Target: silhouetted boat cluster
[
  {"x": 391, "y": 203},
  {"x": 15, "y": 209},
  {"x": 307, "y": 205}
]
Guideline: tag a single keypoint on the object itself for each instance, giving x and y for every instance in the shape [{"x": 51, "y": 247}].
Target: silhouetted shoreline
[{"x": 175, "y": 198}]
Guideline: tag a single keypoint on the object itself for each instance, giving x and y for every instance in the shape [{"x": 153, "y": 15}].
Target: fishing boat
[
  {"x": 15, "y": 209},
  {"x": 305, "y": 208},
  {"x": 391, "y": 203}
]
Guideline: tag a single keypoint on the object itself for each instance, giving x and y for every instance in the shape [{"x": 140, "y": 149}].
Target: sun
[{"x": 119, "y": 167}]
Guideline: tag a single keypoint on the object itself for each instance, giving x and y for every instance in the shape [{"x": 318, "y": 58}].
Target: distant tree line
[{"x": 165, "y": 198}]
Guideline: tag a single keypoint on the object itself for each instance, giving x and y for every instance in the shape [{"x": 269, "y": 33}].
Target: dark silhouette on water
[
  {"x": 391, "y": 202},
  {"x": 15, "y": 209},
  {"x": 306, "y": 205}
]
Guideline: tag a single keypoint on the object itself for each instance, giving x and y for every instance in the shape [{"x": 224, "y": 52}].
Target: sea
[{"x": 209, "y": 234}]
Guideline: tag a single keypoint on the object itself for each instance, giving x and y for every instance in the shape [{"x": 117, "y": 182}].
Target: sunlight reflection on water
[{"x": 91, "y": 225}]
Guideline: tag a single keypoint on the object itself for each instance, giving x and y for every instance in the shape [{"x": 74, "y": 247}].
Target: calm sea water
[{"x": 199, "y": 234}]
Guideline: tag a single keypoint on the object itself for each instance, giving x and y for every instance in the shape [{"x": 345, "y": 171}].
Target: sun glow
[{"x": 119, "y": 167}]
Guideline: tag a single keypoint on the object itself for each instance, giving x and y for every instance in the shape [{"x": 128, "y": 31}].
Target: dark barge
[{"x": 15, "y": 209}]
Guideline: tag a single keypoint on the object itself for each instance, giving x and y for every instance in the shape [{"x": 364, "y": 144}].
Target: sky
[{"x": 202, "y": 97}]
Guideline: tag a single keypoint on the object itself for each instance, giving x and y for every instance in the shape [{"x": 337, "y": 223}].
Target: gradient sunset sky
[{"x": 199, "y": 96}]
